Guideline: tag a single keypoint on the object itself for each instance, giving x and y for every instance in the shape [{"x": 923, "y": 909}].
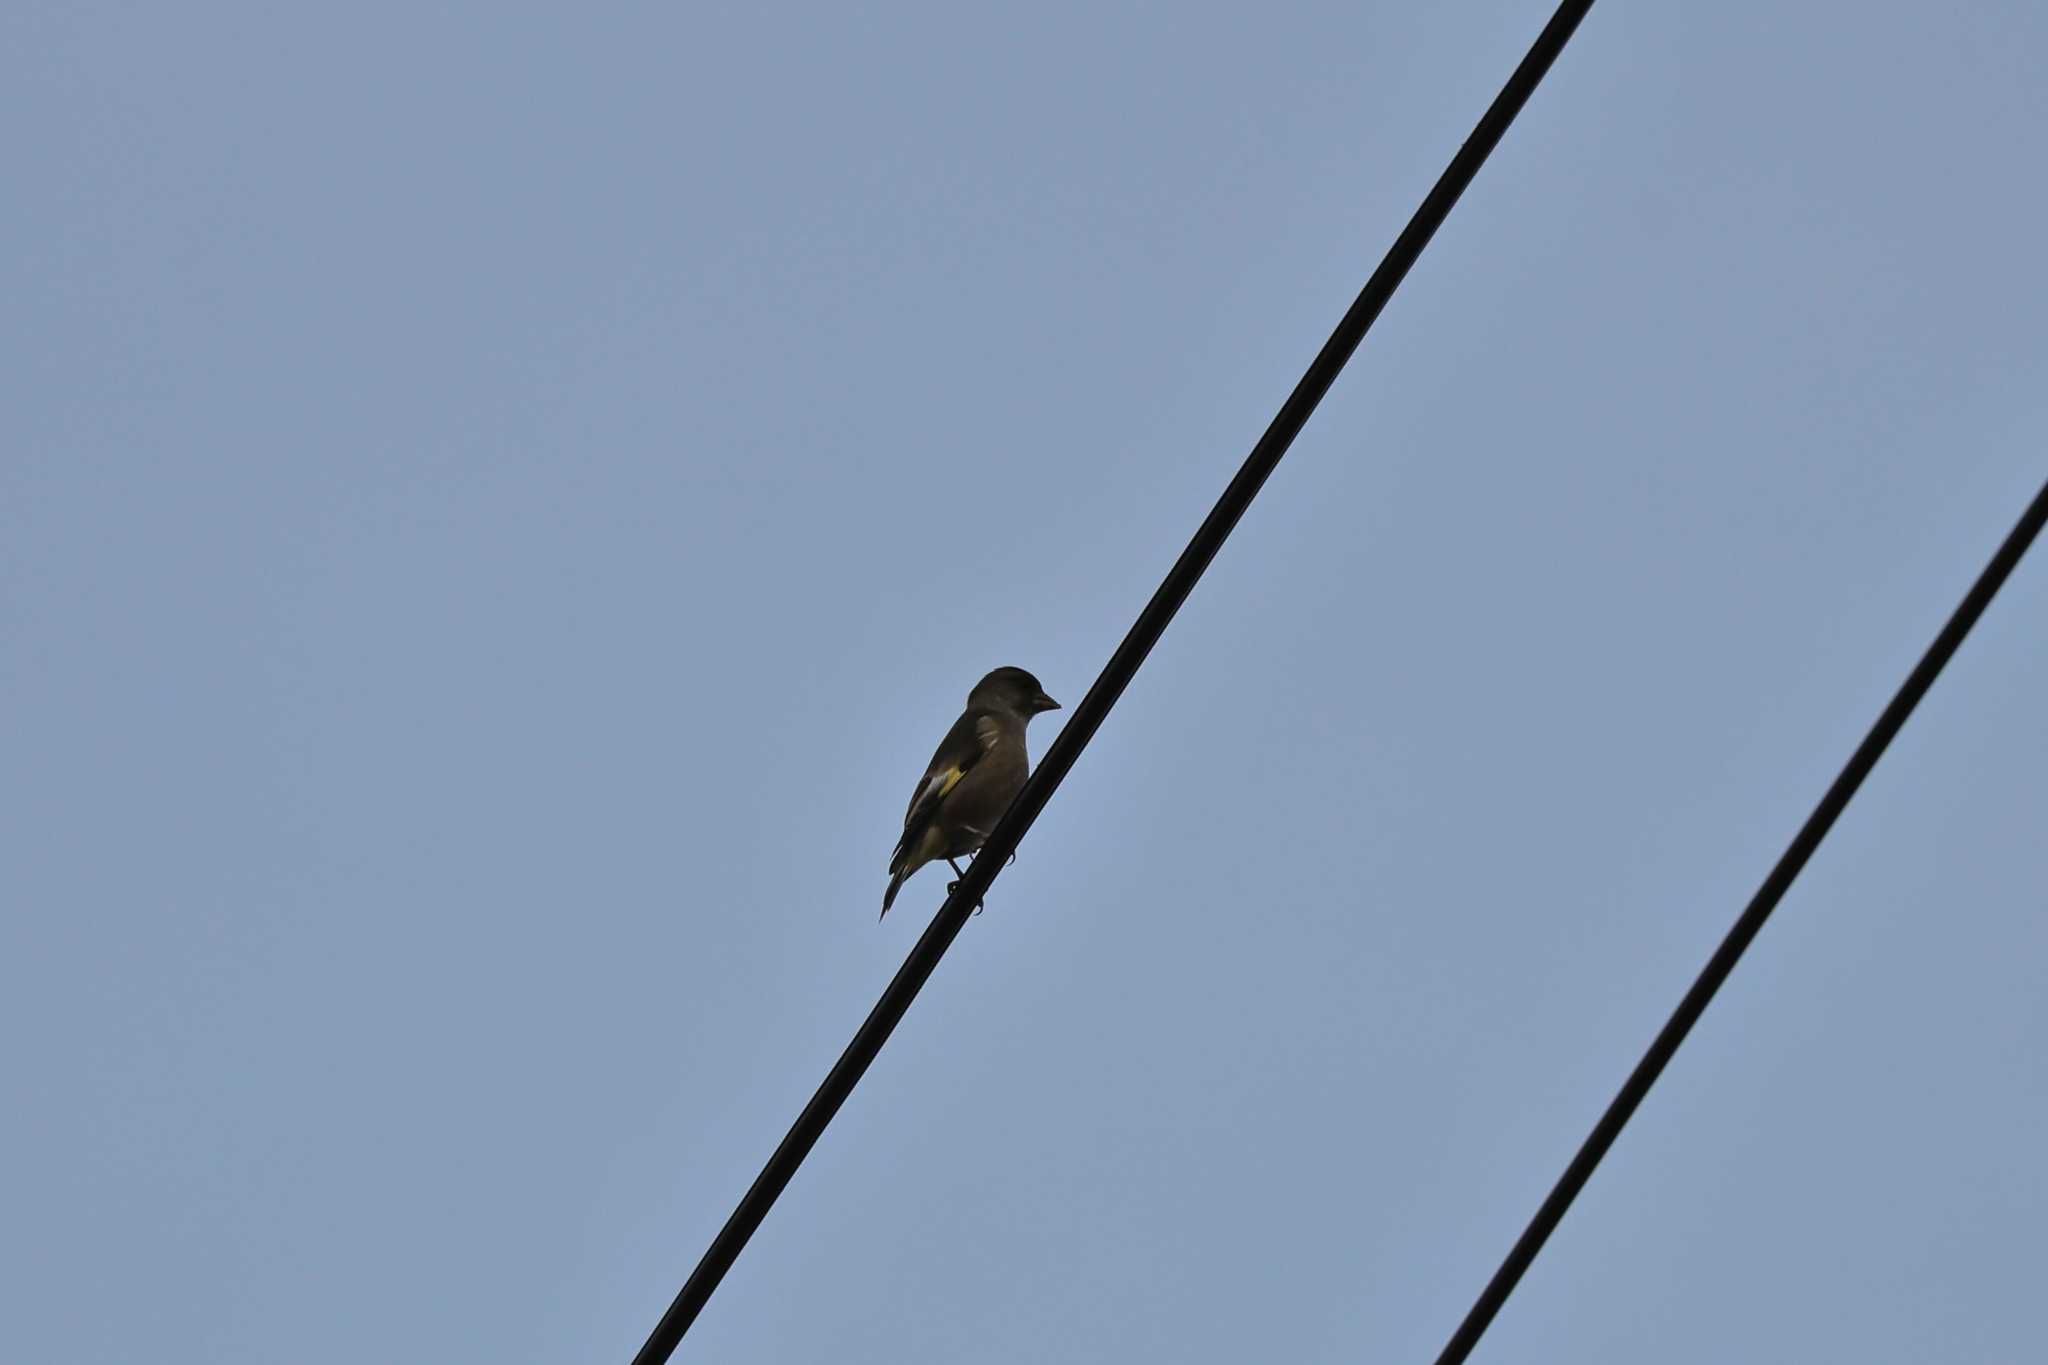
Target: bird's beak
[{"x": 1041, "y": 702}]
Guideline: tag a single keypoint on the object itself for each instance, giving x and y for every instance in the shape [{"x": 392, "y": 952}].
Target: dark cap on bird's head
[{"x": 1011, "y": 689}]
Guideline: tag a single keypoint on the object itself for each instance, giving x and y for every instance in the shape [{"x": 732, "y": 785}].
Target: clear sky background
[{"x": 499, "y": 501}]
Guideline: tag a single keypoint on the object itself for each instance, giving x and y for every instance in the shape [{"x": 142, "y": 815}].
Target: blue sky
[{"x": 499, "y": 502}]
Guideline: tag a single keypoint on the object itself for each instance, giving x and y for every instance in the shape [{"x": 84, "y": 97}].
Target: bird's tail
[{"x": 895, "y": 884}]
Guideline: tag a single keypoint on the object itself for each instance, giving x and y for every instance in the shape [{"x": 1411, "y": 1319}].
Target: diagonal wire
[
  {"x": 1751, "y": 920},
  {"x": 1116, "y": 675}
]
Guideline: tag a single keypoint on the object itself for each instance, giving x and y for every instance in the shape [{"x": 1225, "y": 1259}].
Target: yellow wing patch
[{"x": 934, "y": 791}]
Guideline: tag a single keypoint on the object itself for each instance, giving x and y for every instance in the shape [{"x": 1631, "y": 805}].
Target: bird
[{"x": 978, "y": 770}]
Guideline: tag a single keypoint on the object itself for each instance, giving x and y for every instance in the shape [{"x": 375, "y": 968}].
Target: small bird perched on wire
[{"x": 979, "y": 769}]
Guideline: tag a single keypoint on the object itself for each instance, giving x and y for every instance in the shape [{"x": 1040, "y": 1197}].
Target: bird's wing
[{"x": 972, "y": 735}]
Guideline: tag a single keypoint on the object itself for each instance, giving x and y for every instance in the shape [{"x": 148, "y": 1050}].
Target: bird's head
[{"x": 1011, "y": 689}]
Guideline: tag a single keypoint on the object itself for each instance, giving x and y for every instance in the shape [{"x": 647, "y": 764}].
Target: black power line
[
  {"x": 1752, "y": 919},
  {"x": 1116, "y": 675}
]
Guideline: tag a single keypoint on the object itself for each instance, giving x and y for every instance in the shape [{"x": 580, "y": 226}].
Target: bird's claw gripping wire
[{"x": 951, "y": 887}]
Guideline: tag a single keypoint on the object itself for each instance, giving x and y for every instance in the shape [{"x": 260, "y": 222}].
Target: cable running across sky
[{"x": 1123, "y": 665}]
